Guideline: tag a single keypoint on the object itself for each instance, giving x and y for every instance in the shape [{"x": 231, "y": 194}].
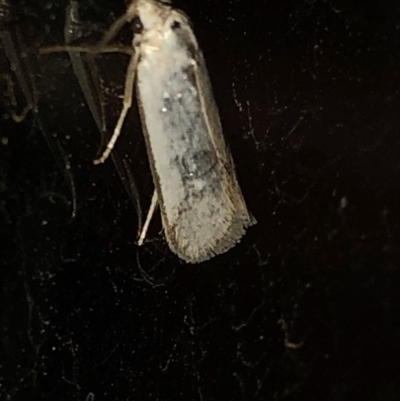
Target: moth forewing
[
  {"x": 202, "y": 207},
  {"x": 225, "y": 224}
]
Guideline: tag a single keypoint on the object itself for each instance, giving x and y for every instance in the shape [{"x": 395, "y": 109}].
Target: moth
[{"x": 202, "y": 207}]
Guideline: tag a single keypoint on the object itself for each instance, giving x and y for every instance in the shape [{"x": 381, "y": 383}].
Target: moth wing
[{"x": 212, "y": 217}]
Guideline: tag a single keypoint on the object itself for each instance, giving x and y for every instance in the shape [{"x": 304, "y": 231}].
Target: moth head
[{"x": 146, "y": 15}]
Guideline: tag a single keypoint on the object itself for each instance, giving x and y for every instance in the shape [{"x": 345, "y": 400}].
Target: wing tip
[{"x": 227, "y": 239}]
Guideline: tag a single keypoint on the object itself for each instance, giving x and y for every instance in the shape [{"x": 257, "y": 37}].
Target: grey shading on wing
[{"x": 202, "y": 206}]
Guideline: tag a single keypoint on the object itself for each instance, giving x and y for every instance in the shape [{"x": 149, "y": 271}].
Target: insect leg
[
  {"x": 128, "y": 93},
  {"x": 153, "y": 205}
]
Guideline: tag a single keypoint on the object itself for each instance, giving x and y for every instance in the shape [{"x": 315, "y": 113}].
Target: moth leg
[
  {"x": 128, "y": 93},
  {"x": 118, "y": 24},
  {"x": 86, "y": 49},
  {"x": 18, "y": 118},
  {"x": 153, "y": 205},
  {"x": 114, "y": 29},
  {"x": 133, "y": 193},
  {"x": 11, "y": 94}
]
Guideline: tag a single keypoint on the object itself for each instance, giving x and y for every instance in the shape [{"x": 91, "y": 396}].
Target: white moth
[{"x": 202, "y": 207}]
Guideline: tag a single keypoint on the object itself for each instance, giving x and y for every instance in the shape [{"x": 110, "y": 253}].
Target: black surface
[{"x": 306, "y": 307}]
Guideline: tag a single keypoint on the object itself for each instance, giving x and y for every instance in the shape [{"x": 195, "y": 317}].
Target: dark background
[{"x": 306, "y": 307}]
